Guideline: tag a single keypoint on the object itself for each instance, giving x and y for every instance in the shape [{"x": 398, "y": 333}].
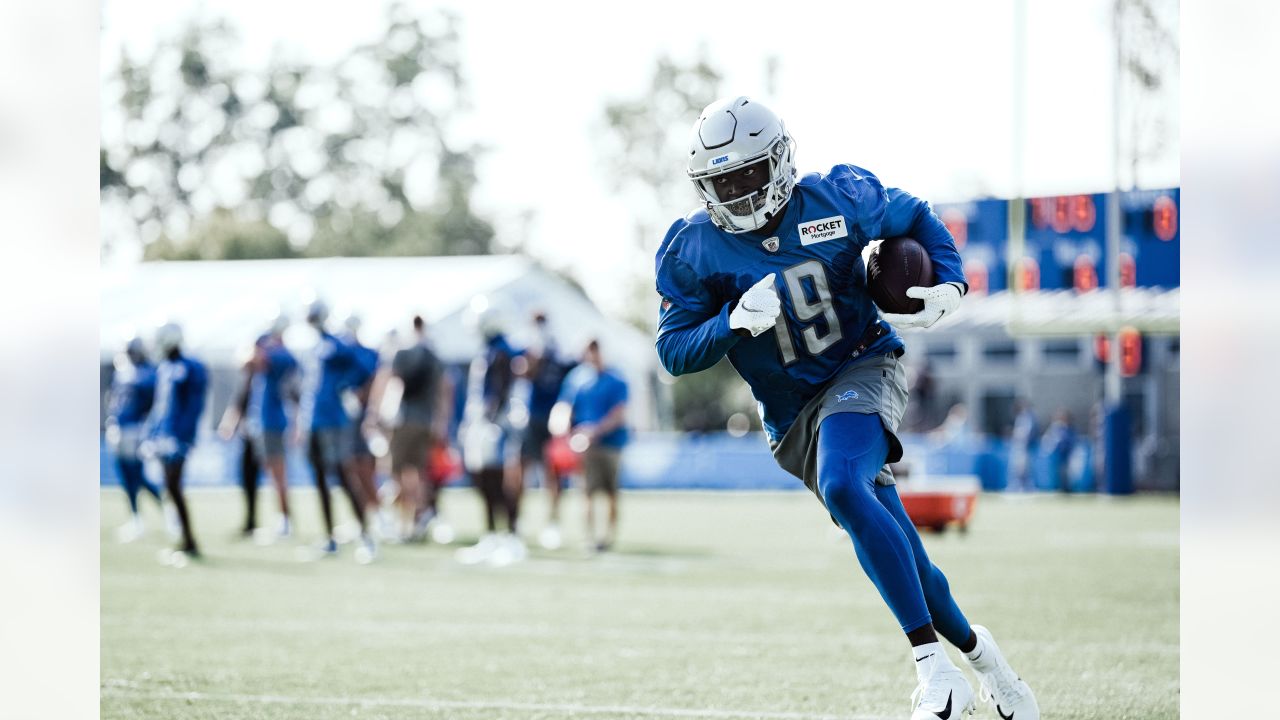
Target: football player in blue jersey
[
  {"x": 133, "y": 388},
  {"x": 336, "y": 369},
  {"x": 261, "y": 414},
  {"x": 181, "y": 383},
  {"x": 769, "y": 272},
  {"x": 491, "y": 442},
  {"x": 362, "y": 465}
]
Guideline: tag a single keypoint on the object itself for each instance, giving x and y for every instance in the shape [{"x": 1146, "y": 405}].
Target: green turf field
[{"x": 715, "y": 605}]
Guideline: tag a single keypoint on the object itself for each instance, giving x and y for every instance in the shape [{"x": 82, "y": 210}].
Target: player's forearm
[
  {"x": 695, "y": 347},
  {"x": 909, "y": 215},
  {"x": 612, "y": 421}
]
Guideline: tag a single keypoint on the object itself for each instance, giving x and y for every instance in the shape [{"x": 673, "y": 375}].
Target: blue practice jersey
[
  {"x": 490, "y": 380},
  {"x": 828, "y": 319},
  {"x": 546, "y": 382},
  {"x": 339, "y": 369},
  {"x": 180, "y": 389},
  {"x": 133, "y": 389},
  {"x": 593, "y": 395},
  {"x": 365, "y": 368},
  {"x": 269, "y": 390}
]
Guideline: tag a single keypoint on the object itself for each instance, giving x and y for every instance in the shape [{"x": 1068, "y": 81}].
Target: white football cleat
[
  {"x": 442, "y": 532},
  {"x": 368, "y": 550},
  {"x": 944, "y": 695},
  {"x": 480, "y": 552},
  {"x": 130, "y": 531},
  {"x": 1000, "y": 685},
  {"x": 510, "y": 549},
  {"x": 550, "y": 538}
]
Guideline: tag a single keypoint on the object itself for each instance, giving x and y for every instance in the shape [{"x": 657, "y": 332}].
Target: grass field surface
[{"x": 714, "y": 605}]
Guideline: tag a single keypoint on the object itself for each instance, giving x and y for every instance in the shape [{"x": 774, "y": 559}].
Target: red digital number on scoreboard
[
  {"x": 958, "y": 225},
  {"x": 1028, "y": 274},
  {"x": 976, "y": 274},
  {"x": 1164, "y": 218},
  {"x": 1085, "y": 274}
]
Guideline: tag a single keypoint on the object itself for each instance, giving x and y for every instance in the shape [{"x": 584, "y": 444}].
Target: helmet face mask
[{"x": 729, "y": 136}]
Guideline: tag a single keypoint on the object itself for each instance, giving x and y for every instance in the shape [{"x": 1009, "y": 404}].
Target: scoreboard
[
  {"x": 1067, "y": 238},
  {"x": 1066, "y": 241},
  {"x": 981, "y": 230}
]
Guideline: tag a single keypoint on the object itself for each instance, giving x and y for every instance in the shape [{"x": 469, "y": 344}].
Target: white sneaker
[
  {"x": 480, "y": 552},
  {"x": 130, "y": 531},
  {"x": 944, "y": 695},
  {"x": 999, "y": 684},
  {"x": 550, "y": 538},
  {"x": 510, "y": 549},
  {"x": 285, "y": 529},
  {"x": 442, "y": 532},
  {"x": 368, "y": 550}
]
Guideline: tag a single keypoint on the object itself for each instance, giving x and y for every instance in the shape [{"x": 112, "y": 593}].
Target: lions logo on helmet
[{"x": 729, "y": 135}]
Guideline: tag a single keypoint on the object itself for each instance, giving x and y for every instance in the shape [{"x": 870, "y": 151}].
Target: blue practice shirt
[
  {"x": 545, "y": 385},
  {"x": 267, "y": 401},
  {"x": 133, "y": 389},
  {"x": 828, "y": 319},
  {"x": 180, "y": 395},
  {"x": 340, "y": 369},
  {"x": 593, "y": 395}
]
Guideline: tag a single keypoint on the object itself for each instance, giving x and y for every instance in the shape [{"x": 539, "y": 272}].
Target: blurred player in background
[
  {"x": 421, "y": 418},
  {"x": 1060, "y": 441},
  {"x": 356, "y": 401},
  {"x": 1024, "y": 446},
  {"x": 235, "y": 423},
  {"x": 262, "y": 414},
  {"x": 336, "y": 368},
  {"x": 181, "y": 382},
  {"x": 490, "y": 445},
  {"x": 133, "y": 388},
  {"x": 595, "y": 397},
  {"x": 769, "y": 272},
  {"x": 545, "y": 370}
]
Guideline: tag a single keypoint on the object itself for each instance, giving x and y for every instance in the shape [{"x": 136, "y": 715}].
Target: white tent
[{"x": 223, "y": 305}]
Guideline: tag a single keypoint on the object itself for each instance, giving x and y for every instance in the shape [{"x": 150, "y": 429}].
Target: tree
[
  {"x": 206, "y": 159},
  {"x": 643, "y": 148},
  {"x": 1146, "y": 33},
  {"x": 643, "y": 145}
]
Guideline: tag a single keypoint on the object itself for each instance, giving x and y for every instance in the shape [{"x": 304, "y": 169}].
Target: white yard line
[
  {"x": 463, "y": 628},
  {"x": 431, "y": 704}
]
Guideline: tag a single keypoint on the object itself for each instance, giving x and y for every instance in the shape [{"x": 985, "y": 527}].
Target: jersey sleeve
[
  {"x": 677, "y": 281},
  {"x": 693, "y": 327},
  {"x": 690, "y": 341},
  {"x": 908, "y": 215}
]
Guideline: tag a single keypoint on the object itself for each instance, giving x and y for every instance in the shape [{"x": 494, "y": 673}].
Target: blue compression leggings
[
  {"x": 852, "y": 447},
  {"x": 135, "y": 481}
]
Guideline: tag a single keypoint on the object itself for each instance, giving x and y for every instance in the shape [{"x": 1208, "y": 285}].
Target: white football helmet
[
  {"x": 168, "y": 337},
  {"x": 729, "y": 135}
]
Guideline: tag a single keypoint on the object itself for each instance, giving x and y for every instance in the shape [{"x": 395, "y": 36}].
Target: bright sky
[{"x": 920, "y": 93}]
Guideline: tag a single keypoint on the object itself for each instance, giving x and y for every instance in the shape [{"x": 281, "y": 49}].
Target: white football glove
[
  {"x": 758, "y": 308},
  {"x": 938, "y": 300}
]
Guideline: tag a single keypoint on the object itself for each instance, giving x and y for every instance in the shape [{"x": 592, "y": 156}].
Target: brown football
[{"x": 897, "y": 264}]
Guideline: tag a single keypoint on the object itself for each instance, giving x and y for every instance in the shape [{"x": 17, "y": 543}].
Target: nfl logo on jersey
[{"x": 771, "y": 244}]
